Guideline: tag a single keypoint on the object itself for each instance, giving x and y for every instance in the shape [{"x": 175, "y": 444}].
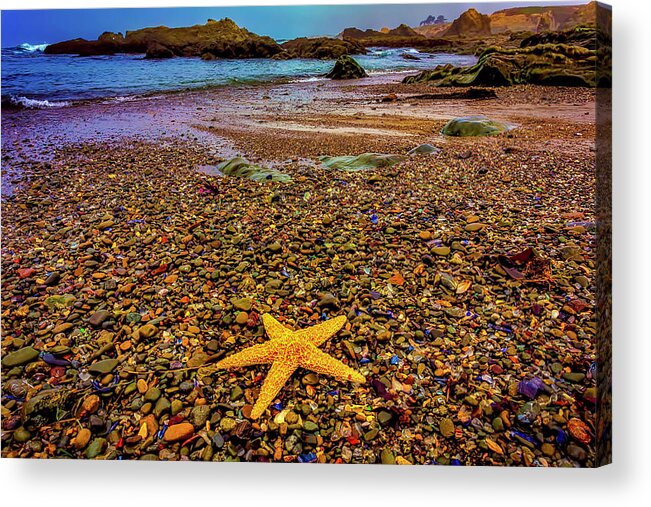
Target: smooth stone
[
  {"x": 574, "y": 377},
  {"x": 82, "y": 439},
  {"x": 474, "y": 227},
  {"x": 310, "y": 379},
  {"x": 147, "y": 331},
  {"x": 199, "y": 415},
  {"x": 97, "y": 318},
  {"x": 96, "y": 447},
  {"x": 441, "y": 250},
  {"x": 243, "y": 304},
  {"x": 62, "y": 328},
  {"x": 53, "y": 279},
  {"x": 176, "y": 407},
  {"x": 384, "y": 417},
  {"x": 176, "y": 432},
  {"x": 310, "y": 426},
  {"x": 242, "y": 318},
  {"x": 152, "y": 394},
  {"x": 20, "y": 357},
  {"x": 162, "y": 406},
  {"x": 21, "y": 435},
  {"x": 446, "y": 427},
  {"x": 104, "y": 366},
  {"x": 236, "y": 393},
  {"x": 387, "y": 457}
]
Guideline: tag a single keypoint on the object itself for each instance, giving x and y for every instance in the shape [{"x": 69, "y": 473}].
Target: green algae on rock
[
  {"x": 352, "y": 163},
  {"x": 242, "y": 168},
  {"x": 346, "y": 67},
  {"x": 542, "y": 64},
  {"x": 473, "y": 126},
  {"x": 424, "y": 149}
]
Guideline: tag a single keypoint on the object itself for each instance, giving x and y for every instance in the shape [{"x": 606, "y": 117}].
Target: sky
[{"x": 49, "y": 26}]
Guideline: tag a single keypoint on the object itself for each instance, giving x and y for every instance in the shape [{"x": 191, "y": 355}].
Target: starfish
[{"x": 288, "y": 350}]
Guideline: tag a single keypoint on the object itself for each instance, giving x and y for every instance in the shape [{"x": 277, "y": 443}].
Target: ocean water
[{"x": 32, "y": 79}]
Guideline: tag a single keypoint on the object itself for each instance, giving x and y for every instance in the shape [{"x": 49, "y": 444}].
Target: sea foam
[
  {"x": 31, "y": 48},
  {"x": 19, "y": 102}
]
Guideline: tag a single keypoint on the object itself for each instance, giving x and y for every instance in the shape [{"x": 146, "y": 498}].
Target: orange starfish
[{"x": 288, "y": 350}]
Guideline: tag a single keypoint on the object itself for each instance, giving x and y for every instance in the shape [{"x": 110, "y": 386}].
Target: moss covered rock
[
  {"x": 241, "y": 168},
  {"x": 346, "y": 67},
  {"x": 542, "y": 64},
  {"x": 473, "y": 126},
  {"x": 361, "y": 162}
]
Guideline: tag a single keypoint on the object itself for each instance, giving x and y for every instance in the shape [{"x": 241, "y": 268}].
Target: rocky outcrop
[
  {"x": 158, "y": 51},
  {"x": 540, "y": 19},
  {"x": 323, "y": 48},
  {"x": 432, "y": 30},
  {"x": 470, "y": 23},
  {"x": 346, "y": 67},
  {"x": 402, "y": 36},
  {"x": 542, "y": 64},
  {"x": 215, "y": 39}
]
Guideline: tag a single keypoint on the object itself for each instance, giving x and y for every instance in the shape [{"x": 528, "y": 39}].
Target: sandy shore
[{"x": 132, "y": 269}]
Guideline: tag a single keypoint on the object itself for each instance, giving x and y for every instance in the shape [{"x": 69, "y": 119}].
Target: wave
[
  {"x": 32, "y": 48},
  {"x": 19, "y": 102},
  {"x": 308, "y": 79}
]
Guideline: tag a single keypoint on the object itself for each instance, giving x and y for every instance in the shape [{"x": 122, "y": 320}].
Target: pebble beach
[{"x": 131, "y": 266}]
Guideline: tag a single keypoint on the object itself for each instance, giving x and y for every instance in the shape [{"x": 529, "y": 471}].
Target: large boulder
[
  {"x": 473, "y": 126},
  {"x": 471, "y": 22},
  {"x": 346, "y": 67}
]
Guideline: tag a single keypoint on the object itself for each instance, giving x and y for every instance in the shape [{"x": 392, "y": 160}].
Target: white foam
[
  {"x": 308, "y": 79},
  {"x": 37, "y": 104},
  {"x": 31, "y": 48}
]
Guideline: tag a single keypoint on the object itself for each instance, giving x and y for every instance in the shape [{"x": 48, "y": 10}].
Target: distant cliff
[
  {"x": 401, "y": 36},
  {"x": 517, "y": 19},
  {"x": 540, "y": 19},
  {"x": 471, "y": 22}
]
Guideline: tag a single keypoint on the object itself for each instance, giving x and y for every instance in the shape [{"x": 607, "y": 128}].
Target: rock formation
[
  {"x": 555, "y": 59},
  {"x": 215, "y": 39},
  {"x": 471, "y": 22},
  {"x": 402, "y": 36},
  {"x": 346, "y": 67},
  {"x": 324, "y": 48}
]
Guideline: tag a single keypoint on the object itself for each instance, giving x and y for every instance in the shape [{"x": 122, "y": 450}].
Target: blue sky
[{"x": 48, "y": 26}]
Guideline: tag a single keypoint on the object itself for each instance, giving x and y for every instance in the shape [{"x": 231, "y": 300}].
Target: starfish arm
[
  {"x": 274, "y": 328},
  {"x": 278, "y": 374},
  {"x": 320, "y": 362},
  {"x": 257, "y": 354},
  {"x": 316, "y": 335}
]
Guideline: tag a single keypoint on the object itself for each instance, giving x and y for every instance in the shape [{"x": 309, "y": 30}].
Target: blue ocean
[{"x": 32, "y": 79}]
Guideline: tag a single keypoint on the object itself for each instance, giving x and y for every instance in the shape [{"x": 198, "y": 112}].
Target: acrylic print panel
[{"x": 367, "y": 234}]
